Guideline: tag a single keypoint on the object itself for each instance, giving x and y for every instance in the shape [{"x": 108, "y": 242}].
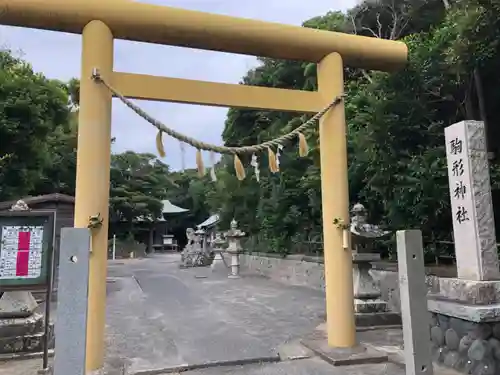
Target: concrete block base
[
  {"x": 467, "y": 292},
  {"x": 17, "y": 305},
  {"x": 465, "y": 325},
  {"x": 219, "y": 263},
  {"x": 318, "y": 343}
]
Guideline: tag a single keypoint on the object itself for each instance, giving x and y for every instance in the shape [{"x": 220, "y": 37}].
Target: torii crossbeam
[{"x": 102, "y": 21}]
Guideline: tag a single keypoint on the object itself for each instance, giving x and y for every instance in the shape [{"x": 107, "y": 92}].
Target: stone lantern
[
  {"x": 218, "y": 247},
  {"x": 189, "y": 245},
  {"x": 366, "y": 290},
  {"x": 234, "y": 249}
]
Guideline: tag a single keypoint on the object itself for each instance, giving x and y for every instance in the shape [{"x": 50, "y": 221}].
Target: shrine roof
[
  {"x": 210, "y": 222},
  {"x": 30, "y": 200},
  {"x": 170, "y": 208}
]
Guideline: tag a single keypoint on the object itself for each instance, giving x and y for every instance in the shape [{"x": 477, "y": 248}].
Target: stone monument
[
  {"x": 471, "y": 204},
  {"x": 465, "y": 324},
  {"x": 188, "y": 254},
  {"x": 21, "y": 327},
  {"x": 196, "y": 252},
  {"x": 370, "y": 309},
  {"x": 234, "y": 249},
  {"x": 189, "y": 244},
  {"x": 202, "y": 249}
]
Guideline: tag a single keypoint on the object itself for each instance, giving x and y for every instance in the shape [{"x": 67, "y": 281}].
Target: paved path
[{"x": 161, "y": 316}]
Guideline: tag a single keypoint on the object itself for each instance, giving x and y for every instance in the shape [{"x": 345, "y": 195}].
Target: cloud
[{"x": 57, "y": 55}]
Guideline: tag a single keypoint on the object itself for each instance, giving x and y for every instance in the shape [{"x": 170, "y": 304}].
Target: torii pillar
[{"x": 100, "y": 22}]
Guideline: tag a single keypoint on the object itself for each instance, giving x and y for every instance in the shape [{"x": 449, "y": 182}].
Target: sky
[{"x": 57, "y": 55}]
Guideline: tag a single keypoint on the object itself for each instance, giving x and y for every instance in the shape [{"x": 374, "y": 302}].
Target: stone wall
[
  {"x": 21, "y": 336},
  {"x": 293, "y": 270},
  {"x": 123, "y": 249},
  {"x": 469, "y": 347},
  {"x": 307, "y": 271}
]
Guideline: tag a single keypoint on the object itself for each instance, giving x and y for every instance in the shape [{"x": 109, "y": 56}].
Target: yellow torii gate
[{"x": 102, "y": 21}]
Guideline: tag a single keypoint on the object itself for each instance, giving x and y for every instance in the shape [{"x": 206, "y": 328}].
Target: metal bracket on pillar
[
  {"x": 72, "y": 294},
  {"x": 95, "y": 74}
]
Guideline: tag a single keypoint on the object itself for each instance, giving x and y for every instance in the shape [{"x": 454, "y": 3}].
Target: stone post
[
  {"x": 413, "y": 293},
  {"x": 72, "y": 305},
  {"x": 234, "y": 236},
  {"x": 472, "y": 208}
]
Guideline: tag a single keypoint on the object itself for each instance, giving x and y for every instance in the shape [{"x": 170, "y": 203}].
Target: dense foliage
[
  {"x": 138, "y": 184},
  {"x": 35, "y": 130},
  {"x": 395, "y": 123}
]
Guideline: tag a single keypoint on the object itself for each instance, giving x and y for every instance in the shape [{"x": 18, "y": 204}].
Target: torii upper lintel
[{"x": 135, "y": 21}]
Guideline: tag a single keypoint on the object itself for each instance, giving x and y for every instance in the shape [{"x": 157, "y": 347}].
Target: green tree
[
  {"x": 33, "y": 112},
  {"x": 59, "y": 176},
  {"x": 139, "y": 183}
]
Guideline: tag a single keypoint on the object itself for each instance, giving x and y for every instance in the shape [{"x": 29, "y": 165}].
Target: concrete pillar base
[
  {"x": 218, "y": 263},
  {"x": 17, "y": 305}
]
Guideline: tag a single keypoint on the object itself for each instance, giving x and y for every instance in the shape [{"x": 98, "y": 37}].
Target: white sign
[{"x": 21, "y": 250}]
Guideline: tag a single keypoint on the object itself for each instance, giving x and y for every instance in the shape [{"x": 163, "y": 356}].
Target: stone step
[
  {"x": 27, "y": 343},
  {"x": 383, "y": 319},
  {"x": 21, "y": 326},
  {"x": 377, "y": 319}
]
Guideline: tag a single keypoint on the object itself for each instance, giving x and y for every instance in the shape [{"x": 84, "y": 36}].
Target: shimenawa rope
[{"x": 277, "y": 142}]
